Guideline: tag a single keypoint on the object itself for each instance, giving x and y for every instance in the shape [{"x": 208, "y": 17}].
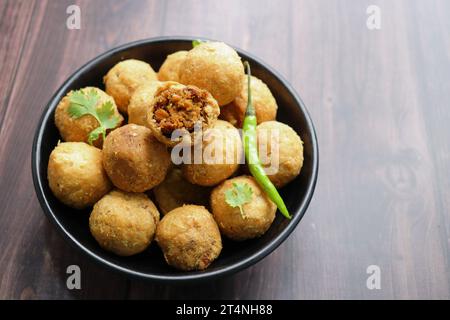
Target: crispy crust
[
  {"x": 211, "y": 174},
  {"x": 76, "y": 175},
  {"x": 124, "y": 78},
  {"x": 171, "y": 66},
  {"x": 124, "y": 223},
  {"x": 175, "y": 191},
  {"x": 134, "y": 160},
  {"x": 189, "y": 238},
  {"x": 290, "y": 151},
  {"x": 140, "y": 102},
  {"x": 215, "y": 67},
  {"x": 262, "y": 99}
]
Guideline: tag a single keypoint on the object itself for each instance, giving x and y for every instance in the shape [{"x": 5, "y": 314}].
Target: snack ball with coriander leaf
[
  {"x": 262, "y": 99},
  {"x": 256, "y": 216},
  {"x": 75, "y": 174},
  {"x": 73, "y": 129},
  {"x": 124, "y": 223},
  {"x": 170, "y": 68},
  {"x": 134, "y": 160},
  {"x": 189, "y": 238},
  {"x": 215, "y": 67},
  {"x": 124, "y": 78},
  {"x": 281, "y": 152}
]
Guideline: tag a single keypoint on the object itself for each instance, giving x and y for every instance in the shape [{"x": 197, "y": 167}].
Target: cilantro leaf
[
  {"x": 106, "y": 115},
  {"x": 83, "y": 103},
  {"x": 197, "y": 42},
  {"x": 80, "y": 101},
  {"x": 76, "y": 111},
  {"x": 240, "y": 194},
  {"x": 95, "y": 134}
]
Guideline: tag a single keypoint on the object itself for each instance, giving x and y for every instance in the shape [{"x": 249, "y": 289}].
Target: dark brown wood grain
[{"x": 380, "y": 103}]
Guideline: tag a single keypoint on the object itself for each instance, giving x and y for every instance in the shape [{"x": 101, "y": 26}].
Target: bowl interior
[{"x": 151, "y": 264}]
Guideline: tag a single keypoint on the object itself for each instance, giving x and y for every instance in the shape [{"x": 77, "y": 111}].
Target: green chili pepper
[{"x": 251, "y": 152}]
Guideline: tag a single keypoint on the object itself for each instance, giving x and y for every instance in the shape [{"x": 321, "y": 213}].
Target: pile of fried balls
[{"x": 128, "y": 182}]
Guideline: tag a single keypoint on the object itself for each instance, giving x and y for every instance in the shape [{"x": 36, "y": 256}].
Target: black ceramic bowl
[{"x": 150, "y": 264}]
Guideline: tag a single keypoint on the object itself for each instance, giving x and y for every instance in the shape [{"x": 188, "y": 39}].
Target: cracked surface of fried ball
[
  {"x": 171, "y": 66},
  {"x": 134, "y": 160},
  {"x": 189, "y": 238},
  {"x": 262, "y": 99},
  {"x": 179, "y": 108},
  {"x": 175, "y": 191},
  {"x": 222, "y": 152},
  {"x": 278, "y": 138},
  {"x": 140, "y": 102},
  {"x": 76, "y": 175},
  {"x": 259, "y": 211},
  {"x": 215, "y": 67},
  {"x": 124, "y": 78},
  {"x": 77, "y": 129},
  {"x": 124, "y": 223}
]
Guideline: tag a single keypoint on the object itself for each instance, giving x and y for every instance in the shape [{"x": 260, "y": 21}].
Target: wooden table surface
[{"x": 380, "y": 103}]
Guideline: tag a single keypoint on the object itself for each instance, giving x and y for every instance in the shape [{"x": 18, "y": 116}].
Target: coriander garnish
[
  {"x": 197, "y": 42},
  {"x": 82, "y": 103},
  {"x": 240, "y": 194}
]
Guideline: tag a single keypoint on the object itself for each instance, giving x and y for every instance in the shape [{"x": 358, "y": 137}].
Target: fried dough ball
[
  {"x": 77, "y": 129},
  {"x": 221, "y": 155},
  {"x": 76, "y": 175},
  {"x": 276, "y": 138},
  {"x": 124, "y": 223},
  {"x": 171, "y": 66},
  {"x": 262, "y": 99},
  {"x": 189, "y": 238},
  {"x": 179, "y": 107},
  {"x": 259, "y": 212},
  {"x": 140, "y": 102},
  {"x": 215, "y": 67},
  {"x": 175, "y": 191},
  {"x": 124, "y": 78},
  {"x": 134, "y": 160}
]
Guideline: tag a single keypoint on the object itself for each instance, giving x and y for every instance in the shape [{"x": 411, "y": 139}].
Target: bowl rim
[{"x": 205, "y": 274}]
